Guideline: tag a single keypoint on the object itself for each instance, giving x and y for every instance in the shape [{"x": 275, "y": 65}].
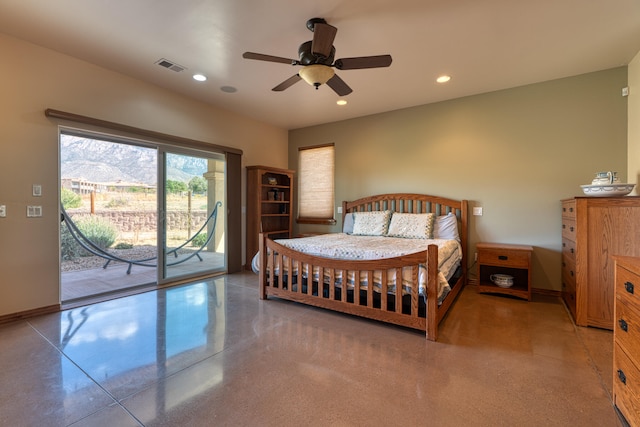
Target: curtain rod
[{"x": 191, "y": 143}]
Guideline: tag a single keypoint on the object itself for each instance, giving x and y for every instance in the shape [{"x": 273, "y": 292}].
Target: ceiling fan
[{"x": 317, "y": 59}]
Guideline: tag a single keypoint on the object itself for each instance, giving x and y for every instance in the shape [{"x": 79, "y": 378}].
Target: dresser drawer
[
  {"x": 626, "y": 330},
  {"x": 626, "y": 383},
  {"x": 569, "y": 248},
  {"x": 569, "y": 208},
  {"x": 569, "y": 229},
  {"x": 569, "y": 268},
  {"x": 504, "y": 257},
  {"x": 628, "y": 287},
  {"x": 569, "y": 293}
]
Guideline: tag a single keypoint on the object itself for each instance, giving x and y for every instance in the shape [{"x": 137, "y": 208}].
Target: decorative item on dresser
[
  {"x": 626, "y": 339},
  {"x": 593, "y": 230},
  {"x": 504, "y": 269},
  {"x": 269, "y": 202}
]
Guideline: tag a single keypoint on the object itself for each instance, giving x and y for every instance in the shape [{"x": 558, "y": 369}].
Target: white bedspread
[{"x": 346, "y": 246}]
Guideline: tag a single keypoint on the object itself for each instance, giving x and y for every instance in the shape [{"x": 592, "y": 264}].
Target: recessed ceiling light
[
  {"x": 228, "y": 89},
  {"x": 443, "y": 79},
  {"x": 341, "y": 102},
  {"x": 199, "y": 77}
]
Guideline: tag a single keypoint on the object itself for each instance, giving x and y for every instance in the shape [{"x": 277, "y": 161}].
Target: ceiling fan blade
[
  {"x": 323, "y": 36},
  {"x": 363, "y": 62},
  {"x": 289, "y": 82},
  {"x": 339, "y": 86},
  {"x": 270, "y": 58}
]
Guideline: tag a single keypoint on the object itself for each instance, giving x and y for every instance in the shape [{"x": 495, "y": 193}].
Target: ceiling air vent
[{"x": 170, "y": 65}]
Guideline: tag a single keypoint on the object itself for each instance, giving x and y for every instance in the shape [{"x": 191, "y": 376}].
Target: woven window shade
[{"x": 316, "y": 170}]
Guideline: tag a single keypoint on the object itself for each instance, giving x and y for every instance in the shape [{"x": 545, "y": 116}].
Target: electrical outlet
[
  {"x": 3, "y": 211},
  {"x": 475, "y": 256},
  {"x": 34, "y": 211}
]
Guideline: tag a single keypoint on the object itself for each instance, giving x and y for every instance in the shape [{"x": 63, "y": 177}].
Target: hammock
[{"x": 94, "y": 249}]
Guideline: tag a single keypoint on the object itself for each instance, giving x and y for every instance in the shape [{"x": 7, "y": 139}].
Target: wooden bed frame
[{"x": 367, "y": 303}]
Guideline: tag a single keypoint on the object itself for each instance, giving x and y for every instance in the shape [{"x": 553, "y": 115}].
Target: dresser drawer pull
[
  {"x": 571, "y": 250},
  {"x": 629, "y": 287},
  {"x": 503, "y": 257},
  {"x": 622, "y": 377},
  {"x": 623, "y": 325},
  {"x": 570, "y": 209},
  {"x": 571, "y": 228}
]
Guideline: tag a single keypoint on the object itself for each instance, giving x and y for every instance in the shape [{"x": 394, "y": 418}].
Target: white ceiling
[{"x": 484, "y": 45}]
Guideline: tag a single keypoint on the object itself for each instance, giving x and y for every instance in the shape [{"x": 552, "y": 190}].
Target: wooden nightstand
[{"x": 514, "y": 260}]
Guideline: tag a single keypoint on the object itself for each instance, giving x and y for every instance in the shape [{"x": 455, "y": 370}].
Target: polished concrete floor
[{"x": 211, "y": 354}]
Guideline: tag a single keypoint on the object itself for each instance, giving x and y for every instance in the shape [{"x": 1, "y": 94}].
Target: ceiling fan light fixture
[{"x": 316, "y": 74}]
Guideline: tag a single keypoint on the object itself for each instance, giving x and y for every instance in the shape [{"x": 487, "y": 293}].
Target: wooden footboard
[{"x": 320, "y": 282}]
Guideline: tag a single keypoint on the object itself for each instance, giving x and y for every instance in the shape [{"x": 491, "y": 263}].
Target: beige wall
[
  {"x": 634, "y": 122},
  {"x": 515, "y": 152},
  {"x": 33, "y": 79}
]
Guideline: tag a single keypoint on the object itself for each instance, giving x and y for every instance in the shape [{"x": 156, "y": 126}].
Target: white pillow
[
  {"x": 446, "y": 227},
  {"x": 371, "y": 223},
  {"x": 411, "y": 226}
]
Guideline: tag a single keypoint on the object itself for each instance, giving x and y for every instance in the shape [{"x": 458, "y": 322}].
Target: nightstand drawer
[{"x": 504, "y": 257}]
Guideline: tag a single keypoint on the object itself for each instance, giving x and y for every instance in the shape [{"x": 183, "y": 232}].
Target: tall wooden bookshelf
[{"x": 269, "y": 203}]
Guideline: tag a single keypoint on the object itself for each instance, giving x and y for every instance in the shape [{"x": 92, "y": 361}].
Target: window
[{"x": 316, "y": 195}]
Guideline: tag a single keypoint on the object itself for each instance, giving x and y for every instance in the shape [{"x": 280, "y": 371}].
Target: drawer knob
[
  {"x": 570, "y": 209},
  {"x": 623, "y": 325},
  {"x": 503, "y": 257},
  {"x": 629, "y": 287},
  {"x": 571, "y": 250},
  {"x": 622, "y": 377},
  {"x": 571, "y": 228}
]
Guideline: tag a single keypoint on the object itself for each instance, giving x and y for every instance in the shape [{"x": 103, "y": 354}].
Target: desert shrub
[
  {"x": 123, "y": 245},
  {"x": 69, "y": 199},
  {"x": 199, "y": 240},
  {"x": 117, "y": 202},
  {"x": 98, "y": 230},
  {"x": 69, "y": 248}
]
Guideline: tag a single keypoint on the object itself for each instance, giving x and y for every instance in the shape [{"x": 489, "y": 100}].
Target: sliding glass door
[
  {"x": 193, "y": 220},
  {"x": 137, "y": 213}
]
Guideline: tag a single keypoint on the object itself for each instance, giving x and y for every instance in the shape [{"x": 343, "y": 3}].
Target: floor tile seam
[
  {"x": 66, "y": 356},
  {"x": 116, "y": 403},
  {"x": 591, "y": 359}
]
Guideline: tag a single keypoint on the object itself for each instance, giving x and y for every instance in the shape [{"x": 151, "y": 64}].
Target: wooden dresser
[
  {"x": 593, "y": 230},
  {"x": 626, "y": 339}
]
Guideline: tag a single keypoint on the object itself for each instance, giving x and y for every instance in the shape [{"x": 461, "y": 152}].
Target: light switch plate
[
  {"x": 3, "y": 211},
  {"x": 477, "y": 211},
  {"x": 37, "y": 190}
]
